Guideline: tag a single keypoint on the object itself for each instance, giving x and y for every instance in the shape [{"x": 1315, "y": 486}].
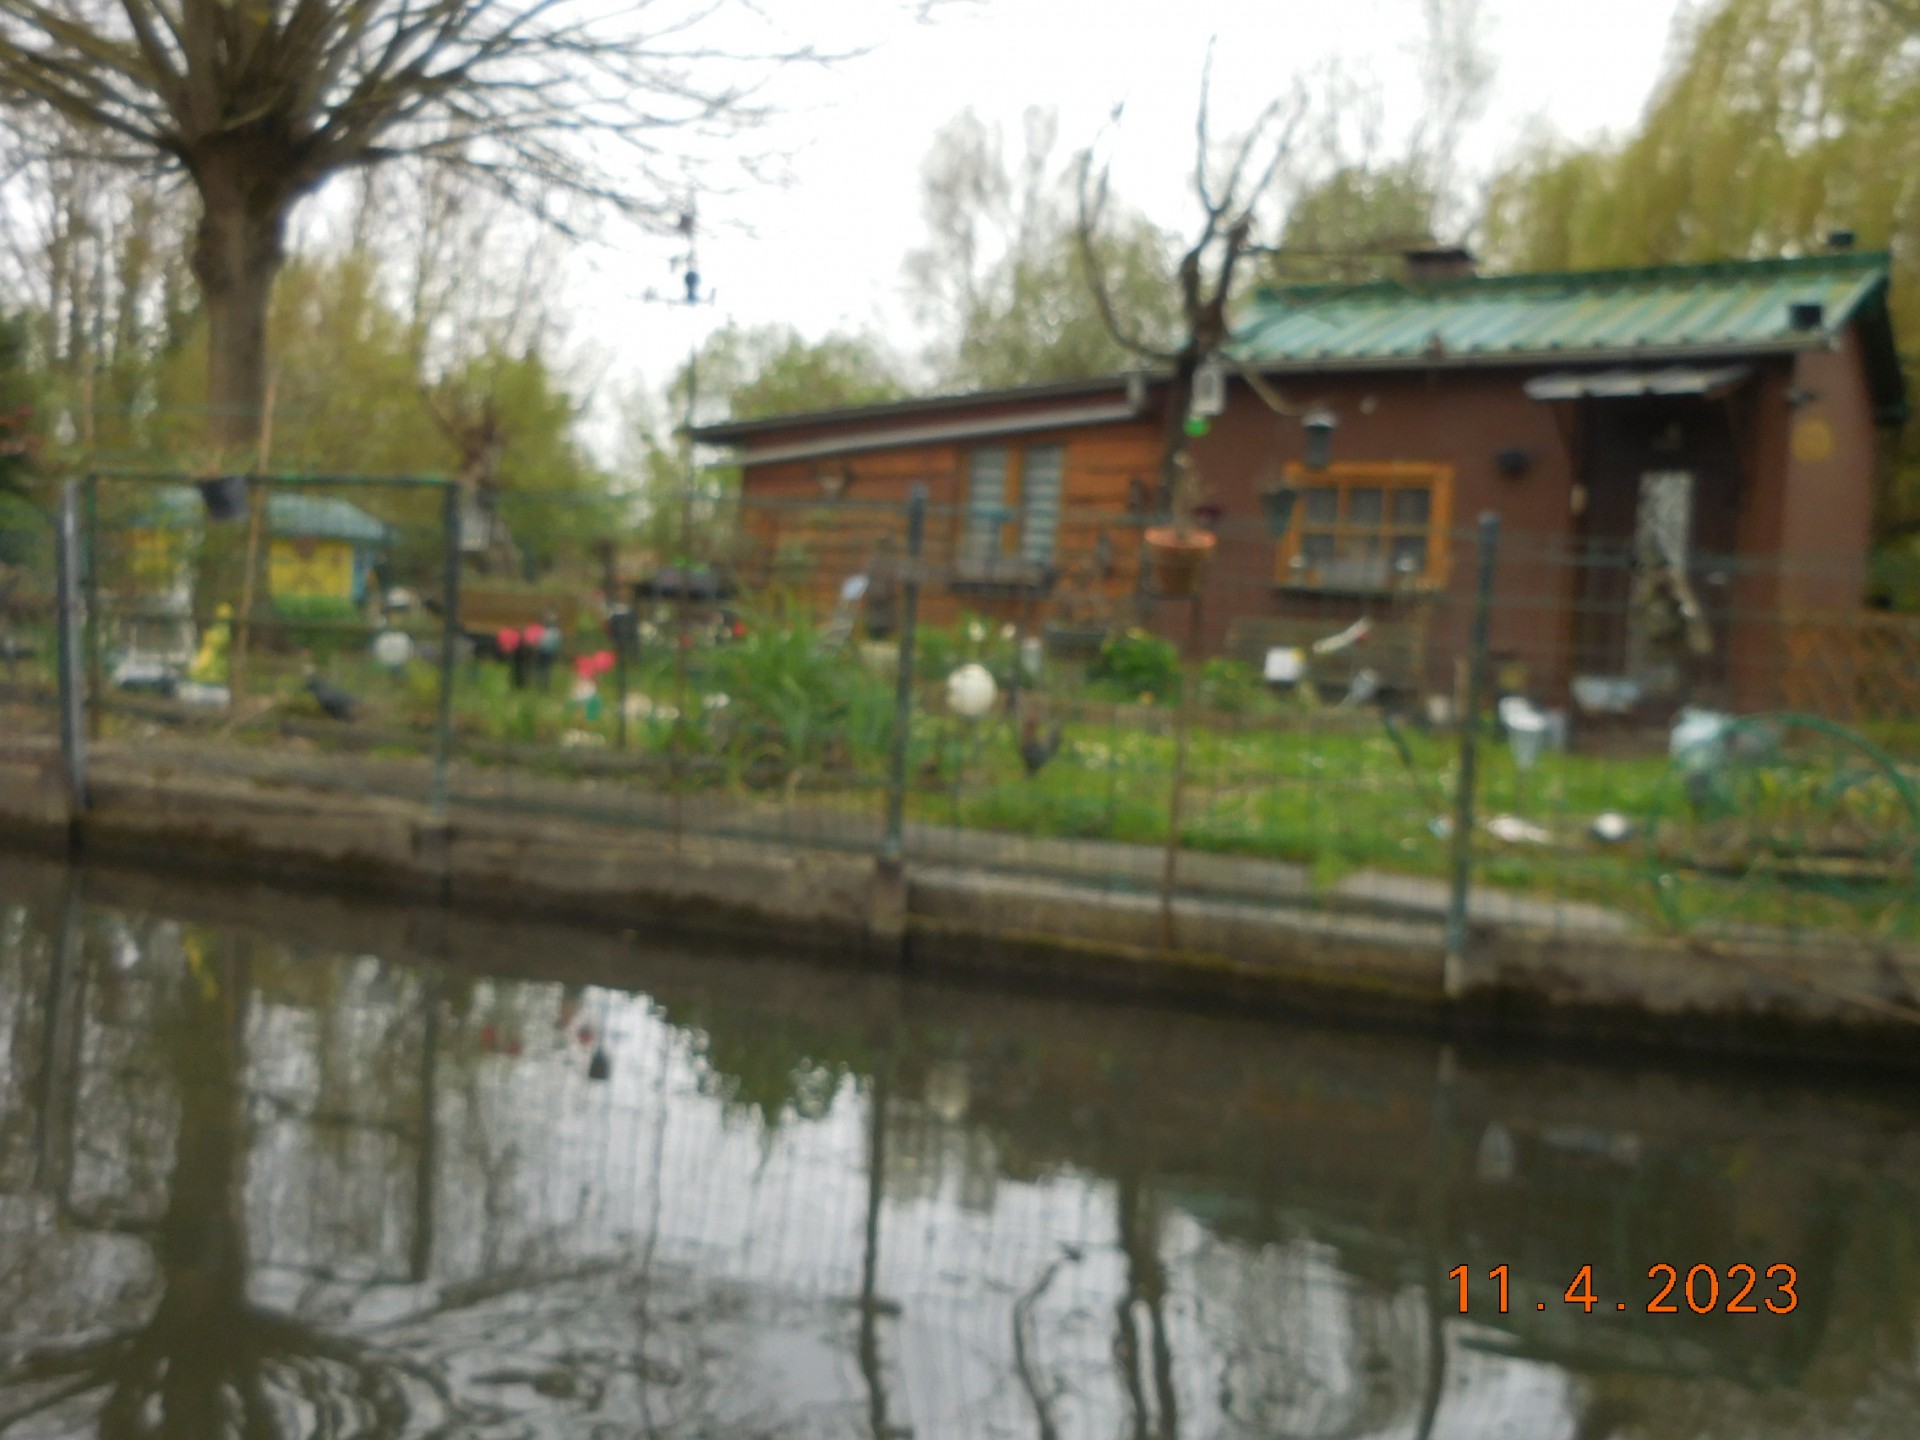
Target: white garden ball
[
  {"x": 971, "y": 691},
  {"x": 392, "y": 648}
]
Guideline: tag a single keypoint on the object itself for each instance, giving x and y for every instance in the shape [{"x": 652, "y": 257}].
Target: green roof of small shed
[
  {"x": 320, "y": 517},
  {"x": 1728, "y": 308}
]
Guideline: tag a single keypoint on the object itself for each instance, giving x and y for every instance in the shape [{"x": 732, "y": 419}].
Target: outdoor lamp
[
  {"x": 225, "y": 496},
  {"x": 1320, "y": 424}
]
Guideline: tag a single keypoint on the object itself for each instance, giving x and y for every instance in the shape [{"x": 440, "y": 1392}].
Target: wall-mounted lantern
[
  {"x": 1320, "y": 424},
  {"x": 833, "y": 483}
]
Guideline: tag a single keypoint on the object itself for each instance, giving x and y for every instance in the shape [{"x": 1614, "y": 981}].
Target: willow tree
[
  {"x": 259, "y": 104},
  {"x": 1777, "y": 122}
]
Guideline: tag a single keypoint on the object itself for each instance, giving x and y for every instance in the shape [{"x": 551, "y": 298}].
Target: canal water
[{"x": 272, "y": 1165}]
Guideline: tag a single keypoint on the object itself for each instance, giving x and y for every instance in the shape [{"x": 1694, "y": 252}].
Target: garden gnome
[{"x": 586, "y": 684}]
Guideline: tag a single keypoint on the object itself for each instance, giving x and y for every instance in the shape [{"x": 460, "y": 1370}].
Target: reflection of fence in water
[{"x": 1057, "y": 1197}]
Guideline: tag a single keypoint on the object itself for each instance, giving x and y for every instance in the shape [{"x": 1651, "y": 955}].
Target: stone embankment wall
[{"x": 1855, "y": 1003}]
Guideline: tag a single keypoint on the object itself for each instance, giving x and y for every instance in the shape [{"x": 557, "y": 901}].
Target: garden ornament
[{"x": 971, "y": 691}]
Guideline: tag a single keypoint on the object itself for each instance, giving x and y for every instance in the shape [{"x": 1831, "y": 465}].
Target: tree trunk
[
  {"x": 1173, "y": 425},
  {"x": 237, "y": 252}
]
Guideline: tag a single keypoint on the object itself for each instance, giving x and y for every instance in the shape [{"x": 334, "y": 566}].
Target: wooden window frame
[
  {"x": 1007, "y": 567},
  {"x": 1435, "y": 479}
]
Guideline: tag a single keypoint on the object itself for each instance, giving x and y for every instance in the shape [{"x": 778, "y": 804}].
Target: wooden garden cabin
[{"x": 1727, "y": 415}]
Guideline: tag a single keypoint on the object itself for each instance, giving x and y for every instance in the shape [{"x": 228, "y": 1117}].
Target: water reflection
[{"x": 277, "y": 1168}]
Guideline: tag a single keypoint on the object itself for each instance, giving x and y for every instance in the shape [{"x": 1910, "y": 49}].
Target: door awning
[{"x": 1709, "y": 382}]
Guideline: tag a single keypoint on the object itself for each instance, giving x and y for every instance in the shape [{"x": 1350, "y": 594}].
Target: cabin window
[
  {"x": 1012, "y": 519},
  {"x": 1367, "y": 528}
]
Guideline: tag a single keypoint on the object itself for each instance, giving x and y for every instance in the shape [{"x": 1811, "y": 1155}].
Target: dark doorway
[{"x": 1654, "y": 537}]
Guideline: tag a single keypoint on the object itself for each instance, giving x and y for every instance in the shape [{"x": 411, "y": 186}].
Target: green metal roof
[
  {"x": 323, "y": 517},
  {"x": 1731, "y": 308},
  {"x": 319, "y": 516}
]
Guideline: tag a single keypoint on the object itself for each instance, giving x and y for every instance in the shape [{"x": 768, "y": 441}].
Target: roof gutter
[{"x": 1059, "y": 418}]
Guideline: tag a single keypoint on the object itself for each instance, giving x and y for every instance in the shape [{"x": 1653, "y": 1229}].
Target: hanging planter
[
  {"x": 225, "y": 496},
  {"x": 1178, "y": 557},
  {"x": 1277, "y": 507}
]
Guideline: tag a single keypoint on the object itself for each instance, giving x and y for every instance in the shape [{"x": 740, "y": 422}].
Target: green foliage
[
  {"x": 1895, "y": 581},
  {"x": 792, "y": 702},
  {"x": 314, "y": 607},
  {"x": 764, "y": 370},
  {"x": 1035, "y": 319},
  {"x": 1779, "y": 121},
  {"x": 1002, "y": 277},
  {"x": 320, "y": 625},
  {"x": 972, "y": 639},
  {"x": 1354, "y": 225},
  {"x": 1231, "y": 687},
  {"x": 1136, "y": 664},
  {"x": 18, "y": 417}
]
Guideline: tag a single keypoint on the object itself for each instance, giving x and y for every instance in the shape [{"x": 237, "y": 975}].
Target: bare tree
[
  {"x": 1229, "y": 197},
  {"x": 260, "y": 104}
]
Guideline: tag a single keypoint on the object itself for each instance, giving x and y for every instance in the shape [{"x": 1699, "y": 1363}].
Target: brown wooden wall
[
  {"x": 798, "y": 537},
  {"x": 1760, "y": 501}
]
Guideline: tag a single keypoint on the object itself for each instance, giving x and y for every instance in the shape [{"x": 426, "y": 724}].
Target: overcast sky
[{"x": 824, "y": 252}]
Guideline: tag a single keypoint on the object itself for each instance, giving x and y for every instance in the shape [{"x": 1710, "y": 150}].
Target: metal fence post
[
  {"x": 1463, "y": 818},
  {"x": 90, "y": 610},
  {"x": 893, "y": 847},
  {"x": 449, "y": 642},
  {"x": 73, "y": 730}
]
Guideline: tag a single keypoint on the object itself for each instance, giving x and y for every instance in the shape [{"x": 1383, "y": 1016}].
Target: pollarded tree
[{"x": 259, "y": 104}]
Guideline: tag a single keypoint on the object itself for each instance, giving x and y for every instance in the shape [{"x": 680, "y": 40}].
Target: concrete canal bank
[{"x": 1238, "y": 934}]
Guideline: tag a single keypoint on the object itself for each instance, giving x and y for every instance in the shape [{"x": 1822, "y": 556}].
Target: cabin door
[{"x": 1661, "y": 481}]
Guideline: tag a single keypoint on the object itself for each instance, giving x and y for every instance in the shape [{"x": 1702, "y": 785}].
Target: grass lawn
[{"x": 1326, "y": 789}]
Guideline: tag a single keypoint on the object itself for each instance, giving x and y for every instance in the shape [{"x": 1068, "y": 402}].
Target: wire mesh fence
[{"x": 1658, "y": 741}]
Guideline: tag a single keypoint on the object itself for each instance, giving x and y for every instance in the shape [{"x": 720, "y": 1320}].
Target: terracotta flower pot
[{"x": 1178, "y": 557}]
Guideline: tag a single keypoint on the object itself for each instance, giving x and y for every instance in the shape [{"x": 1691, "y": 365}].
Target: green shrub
[
  {"x": 1232, "y": 687},
  {"x": 790, "y": 701},
  {"x": 1138, "y": 664}
]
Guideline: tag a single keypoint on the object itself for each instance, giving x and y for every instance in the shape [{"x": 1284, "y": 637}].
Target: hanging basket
[
  {"x": 225, "y": 496},
  {"x": 1178, "y": 557}
]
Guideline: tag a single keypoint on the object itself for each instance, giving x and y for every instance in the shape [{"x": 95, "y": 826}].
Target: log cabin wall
[{"x": 800, "y": 537}]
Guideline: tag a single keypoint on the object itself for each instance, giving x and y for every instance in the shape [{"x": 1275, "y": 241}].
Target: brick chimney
[{"x": 1449, "y": 262}]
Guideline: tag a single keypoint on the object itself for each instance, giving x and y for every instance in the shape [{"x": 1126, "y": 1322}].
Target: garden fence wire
[{"x": 1662, "y": 742}]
